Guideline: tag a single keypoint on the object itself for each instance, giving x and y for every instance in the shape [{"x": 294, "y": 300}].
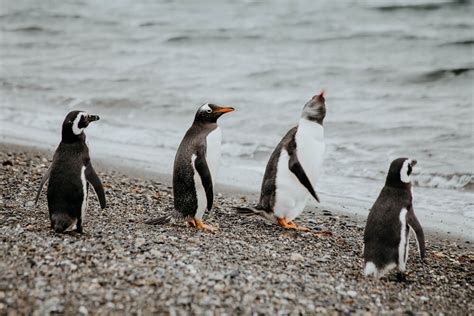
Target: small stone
[
  {"x": 424, "y": 299},
  {"x": 7, "y": 163},
  {"x": 155, "y": 253},
  {"x": 139, "y": 242},
  {"x": 29, "y": 204},
  {"x": 296, "y": 257},
  {"x": 83, "y": 310},
  {"x": 352, "y": 293},
  {"x": 324, "y": 258}
]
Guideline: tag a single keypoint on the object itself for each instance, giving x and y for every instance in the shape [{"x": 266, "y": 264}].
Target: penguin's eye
[{"x": 209, "y": 111}]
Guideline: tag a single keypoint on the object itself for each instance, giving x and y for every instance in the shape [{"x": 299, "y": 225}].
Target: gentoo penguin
[
  {"x": 195, "y": 165},
  {"x": 389, "y": 223},
  {"x": 293, "y": 168},
  {"x": 70, "y": 174}
]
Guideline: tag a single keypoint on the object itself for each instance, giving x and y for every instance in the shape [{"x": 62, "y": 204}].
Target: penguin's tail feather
[
  {"x": 61, "y": 222},
  {"x": 255, "y": 211},
  {"x": 159, "y": 220}
]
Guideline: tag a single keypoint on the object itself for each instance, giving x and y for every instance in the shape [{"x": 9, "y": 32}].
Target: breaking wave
[{"x": 453, "y": 181}]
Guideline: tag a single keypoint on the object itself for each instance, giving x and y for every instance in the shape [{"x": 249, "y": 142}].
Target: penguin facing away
[
  {"x": 293, "y": 169},
  {"x": 196, "y": 164},
  {"x": 391, "y": 218},
  {"x": 70, "y": 174}
]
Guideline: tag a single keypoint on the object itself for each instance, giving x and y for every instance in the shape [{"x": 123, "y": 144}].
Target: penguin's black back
[
  {"x": 65, "y": 188},
  {"x": 267, "y": 192},
  {"x": 184, "y": 190},
  {"x": 382, "y": 231}
]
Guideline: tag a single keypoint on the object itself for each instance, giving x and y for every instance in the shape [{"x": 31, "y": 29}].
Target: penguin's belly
[
  {"x": 84, "y": 199},
  {"x": 310, "y": 153},
  {"x": 213, "y": 152},
  {"x": 200, "y": 193},
  {"x": 290, "y": 195}
]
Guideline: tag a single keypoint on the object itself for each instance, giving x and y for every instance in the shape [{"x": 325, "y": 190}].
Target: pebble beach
[{"x": 120, "y": 265}]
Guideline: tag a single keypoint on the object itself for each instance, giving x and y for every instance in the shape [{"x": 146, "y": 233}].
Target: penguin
[
  {"x": 70, "y": 174},
  {"x": 390, "y": 220},
  {"x": 293, "y": 169},
  {"x": 195, "y": 168}
]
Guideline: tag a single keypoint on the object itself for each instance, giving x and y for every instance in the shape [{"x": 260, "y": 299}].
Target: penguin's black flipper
[
  {"x": 295, "y": 167},
  {"x": 43, "y": 181},
  {"x": 93, "y": 179},
  {"x": 201, "y": 166},
  {"x": 412, "y": 221}
]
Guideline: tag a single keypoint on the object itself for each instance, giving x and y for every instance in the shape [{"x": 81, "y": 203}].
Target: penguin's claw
[
  {"x": 192, "y": 223},
  {"x": 201, "y": 225}
]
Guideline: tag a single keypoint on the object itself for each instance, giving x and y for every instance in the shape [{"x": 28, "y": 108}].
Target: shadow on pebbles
[{"x": 121, "y": 265}]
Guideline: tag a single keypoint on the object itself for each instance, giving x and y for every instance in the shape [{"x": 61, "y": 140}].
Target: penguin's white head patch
[
  {"x": 75, "y": 124},
  {"x": 206, "y": 108},
  {"x": 399, "y": 174},
  {"x": 406, "y": 170}
]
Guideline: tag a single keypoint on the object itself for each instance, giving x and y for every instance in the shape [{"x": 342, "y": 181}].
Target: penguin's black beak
[
  {"x": 223, "y": 110},
  {"x": 413, "y": 162},
  {"x": 92, "y": 118}
]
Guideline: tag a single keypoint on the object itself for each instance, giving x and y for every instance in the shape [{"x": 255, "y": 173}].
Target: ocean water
[{"x": 398, "y": 77}]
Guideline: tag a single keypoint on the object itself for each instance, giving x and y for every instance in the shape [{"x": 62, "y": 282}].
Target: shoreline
[
  {"x": 337, "y": 205},
  {"x": 121, "y": 265}
]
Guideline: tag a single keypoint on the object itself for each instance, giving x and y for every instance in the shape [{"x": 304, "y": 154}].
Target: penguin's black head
[
  {"x": 315, "y": 109},
  {"x": 209, "y": 113},
  {"x": 75, "y": 123},
  {"x": 399, "y": 174}
]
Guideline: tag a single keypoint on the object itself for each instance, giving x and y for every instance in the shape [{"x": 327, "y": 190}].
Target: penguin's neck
[
  {"x": 206, "y": 125},
  {"x": 69, "y": 137},
  {"x": 310, "y": 129}
]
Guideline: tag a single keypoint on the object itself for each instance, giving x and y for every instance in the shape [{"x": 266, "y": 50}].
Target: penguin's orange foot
[
  {"x": 290, "y": 224},
  {"x": 282, "y": 222},
  {"x": 298, "y": 227},
  {"x": 192, "y": 223},
  {"x": 201, "y": 225}
]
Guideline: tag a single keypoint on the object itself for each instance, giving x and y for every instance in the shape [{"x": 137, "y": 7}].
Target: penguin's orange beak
[{"x": 224, "y": 110}]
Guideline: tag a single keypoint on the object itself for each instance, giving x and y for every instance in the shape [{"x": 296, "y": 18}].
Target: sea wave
[
  {"x": 31, "y": 29},
  {"x": 420, "y": 6},
  {"x": 440, "y": 74},
  {"x": 467, "y": 42},
  {"x": 441, "y": 181}
]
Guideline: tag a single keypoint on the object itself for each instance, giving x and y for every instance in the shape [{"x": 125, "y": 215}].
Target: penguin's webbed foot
[
  {"x": 290, "y": 225},
  {"x": 199, "y": 224},
  {"x": 298, "y": 227}
]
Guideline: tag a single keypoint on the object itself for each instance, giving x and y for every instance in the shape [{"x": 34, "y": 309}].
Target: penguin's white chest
[
  {"x": 213, "y": 152},
  {"x": 310, "y": 148}
]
